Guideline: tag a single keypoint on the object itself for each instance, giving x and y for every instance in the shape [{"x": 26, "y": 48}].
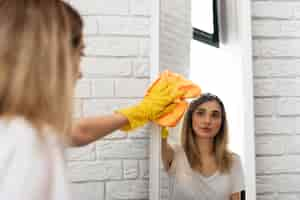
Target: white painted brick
[
  {"x": 135, "y": 189},
  {"x": 264, "y": 87},
  {"x": 112, "y": 46},
  {"x": 103, "y": 88},
  {"x": 277, "y": 87},
  {"x": 106, "y": 66},
  {"x": 116, "y": 135},
  {"x": 97, "y": 107},
  {"x": 273, "y": 28},
  {"x": 123, "y": 149},
  {"x": 265, "y": 106},
  {"x": 77, "y": 113},
  {"x": 266, "y": 125},
  {"x": 131, "y": 87},
  {"x": 85, "y": 153},
  {"x": 266, "y": 184},
  {"x": 143, "y": 132},
  {"x": 140, "y": 7},
  {"x": 297, "y": 121},
  {"x": 293, "y": 145},
  {"x": 276, "y": 47},
  {"x": 165, "y": 184},
  {"x": 270, "y": 145},
  {"x": 278, "y": 164},
  {"x": 90, "y": 25},
  {"x": 288, "y": 196},
  {"x": 130, "y": 169},
  {"x": 266, "y": 197},
  {"x": 145, "y": 47},
  {"x": 124, "y": 25},
  {"x": 280, "y": 9},
  {"x": 83, "y": 89},
  {"x": 289, "y": 106},
  {"x": 144, "y": 169},
  {"x": 103, "y": 106},
  {"x": 92, "y": 7},
  {"x": 141, "y": 68},
  {"x": 95, "y": 171},
  {"x": 87, "y": 191},
  {"x": 278, "y": 183},
  {"x": 276, "y": 67}
]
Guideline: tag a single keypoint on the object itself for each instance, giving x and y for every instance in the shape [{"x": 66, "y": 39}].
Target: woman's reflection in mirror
[{"x": 202, "y": 167}]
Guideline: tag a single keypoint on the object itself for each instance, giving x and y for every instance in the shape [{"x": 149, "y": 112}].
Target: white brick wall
[
  {"x": 276, "y": 41},
  {"x": 115, "y": 74}
]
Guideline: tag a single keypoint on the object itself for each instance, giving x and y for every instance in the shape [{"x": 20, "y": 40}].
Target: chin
[{"x": 205, "y": 136}]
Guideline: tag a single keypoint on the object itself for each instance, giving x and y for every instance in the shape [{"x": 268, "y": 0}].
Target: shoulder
[
  {"x": 177, "y": 147},
  {"x": 236, "y": 163},
  {"x": 235, "y": 157},
  {"x": 21, "y": 137},
  {"x": 178, "y": 150},
  {"x": 17, "y": 129}
]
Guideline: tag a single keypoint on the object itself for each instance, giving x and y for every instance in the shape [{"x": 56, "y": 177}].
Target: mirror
[{"x": 224, "y": 71}]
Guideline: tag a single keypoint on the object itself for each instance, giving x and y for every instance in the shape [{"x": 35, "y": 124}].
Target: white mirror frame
[{"x": 242, "y": 19}]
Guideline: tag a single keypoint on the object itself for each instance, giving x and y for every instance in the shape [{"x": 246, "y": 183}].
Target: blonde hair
[
  {"x": 188, "y": 138},
  {"x": 37, "y": 73}
]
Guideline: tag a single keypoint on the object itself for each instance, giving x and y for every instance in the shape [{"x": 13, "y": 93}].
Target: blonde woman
[
  {"x": 40, "y": 49},
  {"x": 202, "y": 168}
]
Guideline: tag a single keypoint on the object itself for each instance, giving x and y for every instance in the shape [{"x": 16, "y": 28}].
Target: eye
[
  {"x": 200, "y": 112},
  {"x": 216, "y": 114}
]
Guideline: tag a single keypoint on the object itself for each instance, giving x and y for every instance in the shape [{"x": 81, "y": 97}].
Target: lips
[{"x": 206, "y": 129}]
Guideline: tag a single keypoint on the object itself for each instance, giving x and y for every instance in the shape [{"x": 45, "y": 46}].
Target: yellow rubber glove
[{"x": 159, "y": 97}]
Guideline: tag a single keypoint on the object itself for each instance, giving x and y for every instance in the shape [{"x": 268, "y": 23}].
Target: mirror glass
[
  {"x": 219, "y": 71},
  {"x": 202, "y": 15}
]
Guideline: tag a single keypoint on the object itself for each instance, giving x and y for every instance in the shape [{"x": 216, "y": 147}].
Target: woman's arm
[
  {"x": 235, "y": 196},
  {"x": 90, "y": 129},
  {"x": 167, "y": 154}
]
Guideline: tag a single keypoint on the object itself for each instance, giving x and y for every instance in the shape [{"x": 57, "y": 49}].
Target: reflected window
[{"x": 205, "y": 21}]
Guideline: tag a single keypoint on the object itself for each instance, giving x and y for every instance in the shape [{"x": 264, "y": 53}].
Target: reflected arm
[
  {"x": 236, "y": 196},
  {"x": 167, "y": 154}
]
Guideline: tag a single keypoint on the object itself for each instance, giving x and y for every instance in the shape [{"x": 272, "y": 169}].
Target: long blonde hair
[
  {"x": 38, "y": 40},
  {"x": 220, "y": 146}
]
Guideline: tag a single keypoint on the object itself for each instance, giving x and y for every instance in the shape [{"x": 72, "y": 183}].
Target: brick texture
[{"x": 276, "y": 40}]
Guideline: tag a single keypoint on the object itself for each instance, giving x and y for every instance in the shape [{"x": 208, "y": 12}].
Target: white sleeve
[
  {"x": 23, "y": 167},
  {"x": 237, "y": 175}
]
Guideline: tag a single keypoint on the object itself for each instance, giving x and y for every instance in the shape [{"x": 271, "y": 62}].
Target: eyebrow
[{"x": 203, "y": 109}]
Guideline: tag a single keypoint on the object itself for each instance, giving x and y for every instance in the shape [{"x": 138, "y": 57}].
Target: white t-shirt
[
  {"x": 31, "y": 168},
  {"x": 188, "y": 184}
]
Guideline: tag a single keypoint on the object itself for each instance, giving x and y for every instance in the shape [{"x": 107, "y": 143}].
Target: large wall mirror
[{"x": 225, "y": 71}]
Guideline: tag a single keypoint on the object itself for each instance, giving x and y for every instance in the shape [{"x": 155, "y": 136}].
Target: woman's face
[{"x": 207, "y": 119}]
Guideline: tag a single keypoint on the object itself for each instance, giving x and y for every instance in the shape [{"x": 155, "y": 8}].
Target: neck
[{"x": 205, "y": 146}]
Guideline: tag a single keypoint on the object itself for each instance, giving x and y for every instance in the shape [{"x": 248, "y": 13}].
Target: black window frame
[{"x": 208, "y": 38}]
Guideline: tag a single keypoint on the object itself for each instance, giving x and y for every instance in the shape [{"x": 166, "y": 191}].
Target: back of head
[{"x": 36, "y": 65}]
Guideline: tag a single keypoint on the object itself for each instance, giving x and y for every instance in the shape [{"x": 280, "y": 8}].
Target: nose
[{"x": 207, "y": 119}]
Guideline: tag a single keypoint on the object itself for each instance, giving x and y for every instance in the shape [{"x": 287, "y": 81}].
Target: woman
[
  {"x": 40, "y": 49},
  {"x": 203, "y": 168}
]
